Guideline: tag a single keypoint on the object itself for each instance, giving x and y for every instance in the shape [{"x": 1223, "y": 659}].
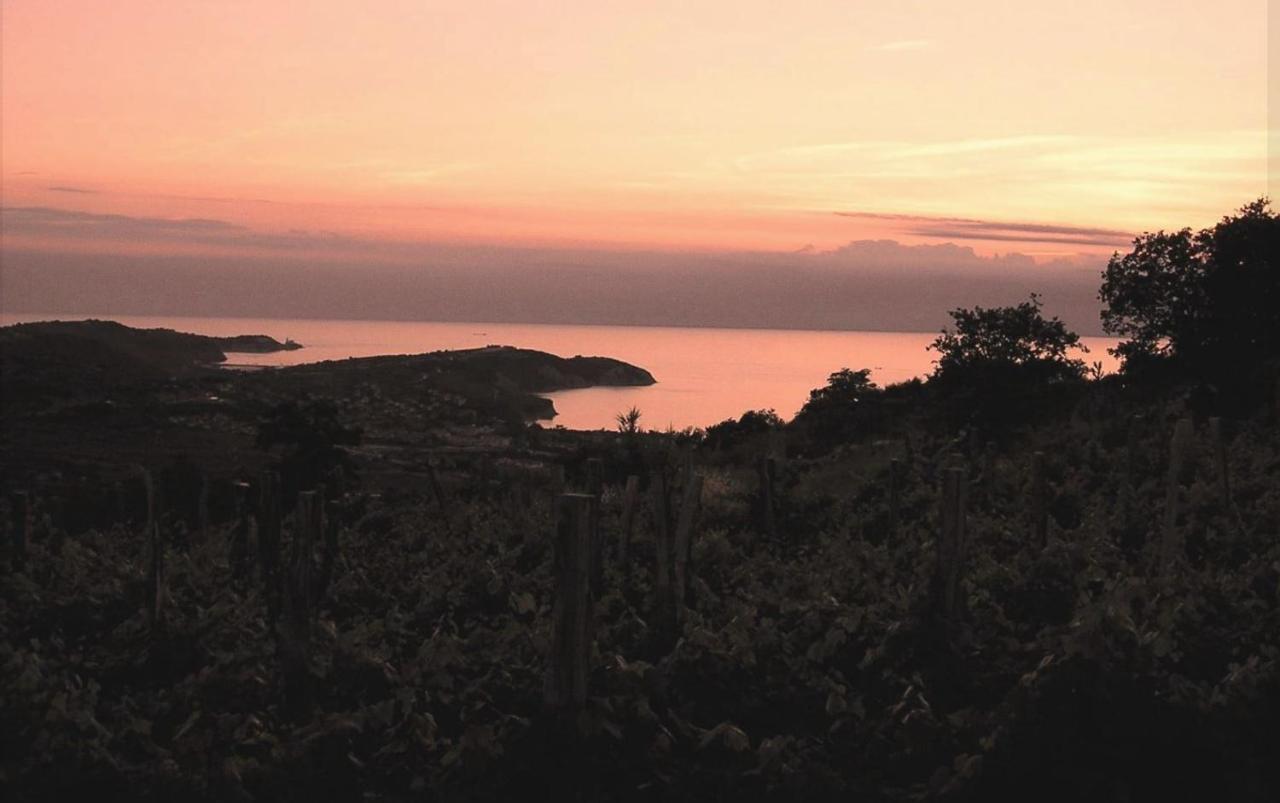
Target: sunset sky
[{"x": 1049, "y": 129}]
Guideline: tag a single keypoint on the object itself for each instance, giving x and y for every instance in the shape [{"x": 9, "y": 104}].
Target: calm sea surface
[{"x": 704, "y": 375}]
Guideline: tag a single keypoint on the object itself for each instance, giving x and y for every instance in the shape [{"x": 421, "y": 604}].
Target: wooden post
[
  {"x": 595, "y": 476},
  {"x": 684, "y": 542},
  {"x": 573, "y": 623},
  {"x": 202, "y": 509},
  {"x": 20, "y": 516},
  {"x": 328, "y": 525},
  {"x": 595, "y": 489},
  {"x": 295, "y": 626},
  {"x": 630, "y": 500},
  {"x": 1179, "y": 447},
  {"x": 155, "y": 558},
  {"x": 895, "y": 474},
  {"x": 269, "y": 514},
  {"x": 778, "y": 445},
  {"x": 1220, "y": 460},
  {"x": 238, "y": 549},
  {"x": 767, "y": 470},
  {"x": 436, "y": 491},
  {"x": 663, "y": 604},
  {"x": 989, "y": 468},
  {"x": 1040, "y": 499},
  {"x": 951, "y": 544}
]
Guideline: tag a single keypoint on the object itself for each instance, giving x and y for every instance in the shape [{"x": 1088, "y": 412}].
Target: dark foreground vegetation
[{"x": 1018, "y": 580}]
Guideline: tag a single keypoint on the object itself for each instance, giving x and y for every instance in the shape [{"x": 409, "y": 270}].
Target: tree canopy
[
  {"x": 1012, "y": 341},
  {"x": 1208, "y": 300}
]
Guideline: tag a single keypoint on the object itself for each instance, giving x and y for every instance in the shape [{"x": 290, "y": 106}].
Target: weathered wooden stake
[
  {"x": 989, "y": 468},
  {"x": 767, "y": 470},
  {"x": 595, "y": 476},
  {"x": 269, "y": 515},
  {"x": 328, "y": 525},
  {"x": 595, "y": 489},
  {"x": 1040, "y": 499},
  {"x": 895, "y": 479},
  {"x": 20, "y": 516},
  {"x": 1179, "y": 447},
  {"x": 573, "y": 623},
  {"x": 202, "y": 508},
  {"x": 155, "y": 558},
  {"x": 1220, "y": 459},
  {"x": 951, "y": 544},
  {"x": 630, "y": 500},
  {"x": 295, "y": 625},
  {"x": 238, "y": 549},
  {"x": 436, "y": 491},
  {"x": 778, "y": 445},
  {"x": 663, "y": 602},
  {"x": 684, "y": 542}
]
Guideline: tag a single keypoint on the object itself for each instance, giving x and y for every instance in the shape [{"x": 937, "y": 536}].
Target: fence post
[
  {"x": 269, "y": 514},
  {"x": 1040, "y": 499},
  {"x": 895, "y": 492},
  {"x": 595, "y": 489},
  {"x": 767, "y": 470},
  {"x": 433, "y": 477},
  {"x": 951, "y": 545},
  {"x": 1220, "y": 459},
  {"x": 295, "y": 627},
  {"x": 684, "y": 541},
  {"x": 778, "y": 445},
  {"x": 238, "y": 549},
  {"x": 630, "y": 500},
  {"x": 155, "y": 557},
  {"x": 595, "y": 476},
  {"x": 328, "y": 525},
  {"x": 1179, "y": 446},
  {"x": 20, "y": 515},
  {"x": 663, "y": 604},
  {"x": 573, "y": 622},
  {"x": 989, "y": 463},
  {"x": 202, "y": 508}
]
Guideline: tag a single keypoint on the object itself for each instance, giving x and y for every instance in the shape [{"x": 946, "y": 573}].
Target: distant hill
[
  {"x": 64, "y": 358},
  {"x": 49, "y": 361}
]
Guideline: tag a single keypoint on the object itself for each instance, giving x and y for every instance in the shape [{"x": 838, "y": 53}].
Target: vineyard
[{"x": 1085, "y": 608}]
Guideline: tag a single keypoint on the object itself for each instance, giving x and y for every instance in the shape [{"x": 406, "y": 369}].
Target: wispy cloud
[
  {"x": 50, "y": 219},
  {"x": 970, "y": 229},
  {"x": 905, "y": 45},
  {"x": 426, "y": 175},
  {"x": 78, "y": 190}
]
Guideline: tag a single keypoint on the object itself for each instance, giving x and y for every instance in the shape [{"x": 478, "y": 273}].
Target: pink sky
[{"x": 1049, "y": 129}]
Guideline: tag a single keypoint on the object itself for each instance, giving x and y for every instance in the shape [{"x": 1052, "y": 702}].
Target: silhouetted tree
[
  {"x": 1010, "y": 342},
  {"x": 997, "y": 365},
  {"x": 730, "y": 433},
  {"x": 842, "y": 410},
  {"x": 1208, "y": 301}
]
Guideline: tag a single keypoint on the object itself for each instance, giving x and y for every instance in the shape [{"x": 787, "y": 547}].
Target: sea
[{"x": 704, "y": 375}]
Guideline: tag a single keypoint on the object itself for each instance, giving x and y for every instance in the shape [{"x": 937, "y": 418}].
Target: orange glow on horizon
[{"x": 730, "y": 126}]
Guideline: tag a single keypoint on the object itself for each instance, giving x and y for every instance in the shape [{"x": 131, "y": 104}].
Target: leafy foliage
[
  {"x": 1012, "y": 341},
  {"x": 751, "y": 424},
  {"x": 842, "y": 409},
  {"x": 629, "y": 421},
  {"x": 1208, "y": 299}
]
